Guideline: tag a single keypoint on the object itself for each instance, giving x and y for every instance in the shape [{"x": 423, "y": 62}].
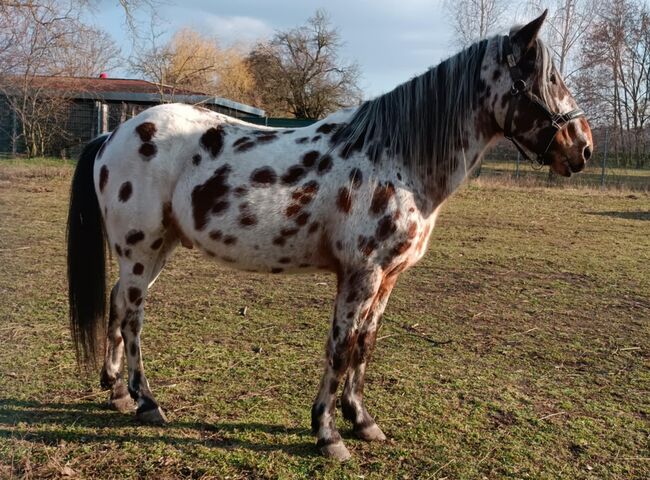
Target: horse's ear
[{"x": 525, "y": 37}]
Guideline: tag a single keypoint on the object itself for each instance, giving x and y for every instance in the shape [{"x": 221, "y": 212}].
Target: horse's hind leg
[
  {"x": 356, "y": 292},
  {"x": 111, "y": 376},
  {"x": 364, "y": 425},
  {"x": 138, "y": 271}
]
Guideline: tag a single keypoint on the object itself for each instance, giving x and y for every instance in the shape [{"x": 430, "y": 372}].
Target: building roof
[{"x": 134, "y": 90}]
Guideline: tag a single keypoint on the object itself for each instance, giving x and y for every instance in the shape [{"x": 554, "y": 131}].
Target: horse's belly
[{"x": 256, "y": 229}]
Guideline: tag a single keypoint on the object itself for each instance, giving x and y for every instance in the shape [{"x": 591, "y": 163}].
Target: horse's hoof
[
  {"x": 336, "y": 451},
  {"x": 155, "y": 416},
  {"x": 124, "y": 404},
  {"x": 120, "y": 399},
  {"x": 371, "y": 433}
]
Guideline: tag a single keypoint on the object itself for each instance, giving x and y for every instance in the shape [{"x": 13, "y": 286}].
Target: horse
[{"x": 356, "y": 194}]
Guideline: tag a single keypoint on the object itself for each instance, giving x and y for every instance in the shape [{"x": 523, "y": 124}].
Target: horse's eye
[{"x": 553, "y": 79}]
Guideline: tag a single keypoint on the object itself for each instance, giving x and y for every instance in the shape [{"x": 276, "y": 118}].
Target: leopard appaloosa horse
[{"x": 356, "y": 194}]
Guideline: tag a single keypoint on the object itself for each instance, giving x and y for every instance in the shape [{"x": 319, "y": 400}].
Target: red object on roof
[{"x": 103, "y": 75}]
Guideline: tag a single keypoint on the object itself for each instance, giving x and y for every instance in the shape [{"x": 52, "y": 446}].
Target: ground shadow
[
  {"x": 23, "y": 416},
  {"x": 640, "y": 215}
]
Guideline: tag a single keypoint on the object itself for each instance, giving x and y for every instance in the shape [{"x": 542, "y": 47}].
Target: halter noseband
[{"x": 520, "y": 87}]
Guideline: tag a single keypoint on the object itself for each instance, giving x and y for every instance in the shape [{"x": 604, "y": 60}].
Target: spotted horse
[{"x": 356, "y": 194}]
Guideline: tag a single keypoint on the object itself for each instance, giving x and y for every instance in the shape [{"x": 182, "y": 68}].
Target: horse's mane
[{"x": 420, "y": 122}]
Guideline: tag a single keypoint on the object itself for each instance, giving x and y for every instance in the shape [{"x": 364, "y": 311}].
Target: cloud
[{"x": 237, "y": 29}]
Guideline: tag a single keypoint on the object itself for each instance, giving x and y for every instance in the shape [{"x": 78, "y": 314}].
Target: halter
[{"x": 520, "y": 87}]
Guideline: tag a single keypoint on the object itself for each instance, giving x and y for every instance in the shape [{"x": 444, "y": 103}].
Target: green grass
[
  {"x": 615, "y": 178},
  {"x": 539, "y": 297}
]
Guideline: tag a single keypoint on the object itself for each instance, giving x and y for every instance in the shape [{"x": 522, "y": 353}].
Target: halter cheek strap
[{"x": 521, "y": 89}]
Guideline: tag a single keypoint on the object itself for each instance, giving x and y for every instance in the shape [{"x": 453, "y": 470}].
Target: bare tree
[
  {"x": 299, "y": 71},
  {"x": 474, "y": 20},
  {"x": 197, "y": 62},
  {"x": 38, "y": 41},
  {"x": 617, "y": 55},
  {"x": 566, "y": 24}
]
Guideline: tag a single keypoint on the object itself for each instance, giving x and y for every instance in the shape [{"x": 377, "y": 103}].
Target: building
[{"x": 97, "y": 105}]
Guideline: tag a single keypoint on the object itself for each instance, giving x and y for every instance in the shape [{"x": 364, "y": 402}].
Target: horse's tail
[{"x": 86, "y": 258}]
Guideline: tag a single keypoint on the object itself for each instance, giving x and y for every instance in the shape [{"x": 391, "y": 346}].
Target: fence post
[
  {"x": 14, "y": 133},
  {"x": 602, "y": 172},
  {"x": 517, "y": 165}
]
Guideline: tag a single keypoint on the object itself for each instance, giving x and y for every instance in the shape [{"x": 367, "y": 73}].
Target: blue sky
[{"x": 391, "y": 40}]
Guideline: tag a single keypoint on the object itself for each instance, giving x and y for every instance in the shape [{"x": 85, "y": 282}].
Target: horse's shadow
[
  {"x": 96, "y": 423},
  {"x": 637, "y": 215}
]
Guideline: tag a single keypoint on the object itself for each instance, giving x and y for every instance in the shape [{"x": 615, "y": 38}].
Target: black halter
[{"x": 520, "y": 87}]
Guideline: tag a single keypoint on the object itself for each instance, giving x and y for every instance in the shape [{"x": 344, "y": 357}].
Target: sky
[{"x": 391, "y": 40}]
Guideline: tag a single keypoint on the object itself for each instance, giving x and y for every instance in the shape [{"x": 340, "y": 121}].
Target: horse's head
[{"x": 535, "y": 108}]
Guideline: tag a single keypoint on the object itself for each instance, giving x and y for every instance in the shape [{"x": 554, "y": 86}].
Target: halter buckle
[{"x": 517, "y": 87}]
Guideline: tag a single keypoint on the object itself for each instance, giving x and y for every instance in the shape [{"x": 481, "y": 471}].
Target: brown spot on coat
[
  {"x": 134, "y": 236},
  {"x": 263, "y": 177},
  {"x": 212, "y": 140},
  {"x": 327, "y": 128},
  {"x": 325, "y": 165},
  {"x": 267, "y": 137},
  {"x": 244, "y": 147},
  {"x": 344, "y": 200},
  {"x": 293, "y": 175},
  {"x": 302, "y": 140},
  {"x": 313, "y": 227},
  {"x": 292, "y": 210},
  {"x": 118, "y": 250},
  {"x": 367, "y": 245},
  {"x": 157, "y": 244},
  {"x": 196, "y": 159},
  {"x": 381, "y": 197},
  {"x": 147, "y": 150},
  {"x": 305, "y": 194},
  {"x": 240, "y": 191},
  {"x": 247, "y": 220},
  {"x": 125, "y": 191},
  {"x": 302, "y": 218},
  {"x": 210, "y": 196},
  {"x": 146, "y": 131},
  {"x": 134, "y": 294},
  {"x": 309, "y": 158},
  {"x": 138, "y": 269},
  {"x": 385, "y": 228},
  {"x": 103, "y": 177},
  {"x": 356, "y": 178},
  {"x": 289, "y": 232}
]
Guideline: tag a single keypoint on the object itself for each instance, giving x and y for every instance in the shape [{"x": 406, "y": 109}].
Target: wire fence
[{"x": 603, "y": 170}]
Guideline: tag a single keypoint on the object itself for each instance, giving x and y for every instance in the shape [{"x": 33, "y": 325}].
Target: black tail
[{"x": 86, "y": 258}]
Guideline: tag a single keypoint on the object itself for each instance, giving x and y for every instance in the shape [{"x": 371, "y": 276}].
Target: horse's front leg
[
  {"x": 364, "y": 425},
  {"x": 356, "y": 292}
]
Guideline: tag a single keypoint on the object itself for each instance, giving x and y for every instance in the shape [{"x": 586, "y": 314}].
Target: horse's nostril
[{"x": 586, "y": 153}]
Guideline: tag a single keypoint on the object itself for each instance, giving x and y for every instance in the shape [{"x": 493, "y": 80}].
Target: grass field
[
  {"x": 615, "y": 178},
  {"x": 538, "y": 301}
]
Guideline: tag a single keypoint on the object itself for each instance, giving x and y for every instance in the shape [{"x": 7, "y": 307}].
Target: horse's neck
[{"x": 481, "y": 132}]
